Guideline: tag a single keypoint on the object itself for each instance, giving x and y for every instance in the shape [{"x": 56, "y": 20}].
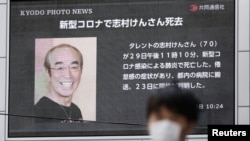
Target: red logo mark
[{"x": 194, "y": 8}]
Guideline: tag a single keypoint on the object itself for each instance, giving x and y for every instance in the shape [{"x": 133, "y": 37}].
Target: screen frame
[{"x": 142, "y": 137}]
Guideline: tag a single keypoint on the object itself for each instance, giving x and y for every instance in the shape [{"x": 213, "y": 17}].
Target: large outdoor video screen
[{"x": 87, "y": 67}]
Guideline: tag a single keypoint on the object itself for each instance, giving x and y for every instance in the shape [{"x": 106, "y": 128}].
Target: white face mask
[{"x": 165, "y": 130}]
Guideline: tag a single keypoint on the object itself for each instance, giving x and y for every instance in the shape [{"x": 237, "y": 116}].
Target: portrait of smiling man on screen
[{"x": 63, "y": 64}]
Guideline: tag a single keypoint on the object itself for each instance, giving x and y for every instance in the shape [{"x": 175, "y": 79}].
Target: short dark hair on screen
[
  {"x": 175, "y": 99},
  {"x": 47, "y": 64}
]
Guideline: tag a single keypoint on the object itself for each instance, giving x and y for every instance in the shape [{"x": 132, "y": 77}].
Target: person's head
[
  {"x": 172, "y": 113},
  {"x": 64, "y": 64}
]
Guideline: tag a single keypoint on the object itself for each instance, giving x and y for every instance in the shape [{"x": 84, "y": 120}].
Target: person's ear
[
  {"x": 48, "y": 74},
  {"x": 187, "y": 129},
  {"x": 190, "y": 126}
]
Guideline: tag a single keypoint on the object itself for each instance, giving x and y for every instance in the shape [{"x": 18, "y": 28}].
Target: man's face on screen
[{"x": 65, "y": 71}]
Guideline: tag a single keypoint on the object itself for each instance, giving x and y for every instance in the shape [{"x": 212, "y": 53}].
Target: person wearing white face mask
[{"x": 172, "y": 114}]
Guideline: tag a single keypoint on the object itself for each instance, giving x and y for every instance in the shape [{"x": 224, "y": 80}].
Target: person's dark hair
[
  {"x": 175, "y": 99},
  {"x": 47, "y": 64}
]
